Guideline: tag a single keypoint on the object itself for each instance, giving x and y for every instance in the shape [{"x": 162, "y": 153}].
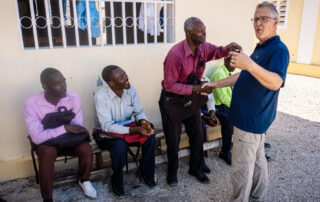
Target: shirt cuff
[
  {"x": 228, "y": 50},
  {"x": 211, "y": 108}
]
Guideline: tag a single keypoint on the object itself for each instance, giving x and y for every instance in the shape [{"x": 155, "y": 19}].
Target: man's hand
[
  {"x": 146, "y": 125},
  {"x": 214, "y": 118},
  {"x": 205, "y": 85},
  {"x": 235, "y": 47},
  {"x": 212, "y": 85},
  {"x": 241, "y": 61},
  {"x": 75, "y": 129},
  {"x": 139, "y": 130},
  {"x": 202, "y": 88}
]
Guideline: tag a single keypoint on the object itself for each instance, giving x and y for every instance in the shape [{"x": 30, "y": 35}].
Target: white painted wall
[{"x": 226, "y": 21}]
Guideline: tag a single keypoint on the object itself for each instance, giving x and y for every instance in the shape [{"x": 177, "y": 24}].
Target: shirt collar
[
  {"x": 187, "y": 49},
  {"x": 269, "y": 41},
  {"x": 110, "y": 92},
  {"x": 44, "y": 101},
  {"x": 225, "y": 69}
]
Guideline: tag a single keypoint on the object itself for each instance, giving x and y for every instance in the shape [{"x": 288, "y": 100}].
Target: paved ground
[{"x": 294, "y": 171}]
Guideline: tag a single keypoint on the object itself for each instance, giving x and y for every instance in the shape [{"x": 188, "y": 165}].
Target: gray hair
[
  {"x": 188, "y": 24},
  {"x": 272, "y": 7}
]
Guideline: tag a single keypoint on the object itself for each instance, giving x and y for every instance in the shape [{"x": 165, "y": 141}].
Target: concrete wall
[{"x": 226, "y": 21}]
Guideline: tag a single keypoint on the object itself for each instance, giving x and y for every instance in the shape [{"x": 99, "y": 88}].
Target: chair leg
[
  {"x": 35, "y": 166},
  {"x": 137, "y": 156},
  {"x": 127, "y": 169}
]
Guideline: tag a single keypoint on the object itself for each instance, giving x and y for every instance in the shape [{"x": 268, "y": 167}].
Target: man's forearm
[
  {"x": 268, "y": 79},
  {"x": 230, "y": 81}
]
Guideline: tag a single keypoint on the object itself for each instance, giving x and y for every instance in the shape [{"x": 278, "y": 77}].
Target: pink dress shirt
[
  {"x": 36, "y": 107},
  {"x": 181, "y": 61}
]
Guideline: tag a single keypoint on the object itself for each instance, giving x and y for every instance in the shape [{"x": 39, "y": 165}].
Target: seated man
[
  {"x": 213, "y": 118},
  {"x": 47, "y": 134},
  {"x": 222, "y": 96},
  {"x": 115, "y": 105}
]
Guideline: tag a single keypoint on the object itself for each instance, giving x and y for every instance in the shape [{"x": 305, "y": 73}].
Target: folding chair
[
  {"x": 134, "y": 156},
  {"x": 33, "y": 153}
]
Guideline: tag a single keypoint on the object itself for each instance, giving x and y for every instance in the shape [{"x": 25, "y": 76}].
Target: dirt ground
[{"x": 294, "y": 171}]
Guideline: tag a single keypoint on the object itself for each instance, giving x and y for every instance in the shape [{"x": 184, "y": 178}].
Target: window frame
[{"x": 168, "y": 30}]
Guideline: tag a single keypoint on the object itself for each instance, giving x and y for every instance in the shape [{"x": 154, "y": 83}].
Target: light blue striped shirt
[{"x": 113, "y": 110}]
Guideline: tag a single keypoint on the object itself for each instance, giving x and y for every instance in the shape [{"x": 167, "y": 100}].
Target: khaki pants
[{"x": 249, "y": 166}]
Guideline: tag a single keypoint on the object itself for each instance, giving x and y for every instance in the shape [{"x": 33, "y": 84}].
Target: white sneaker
[{"x": 88, "y": 189}]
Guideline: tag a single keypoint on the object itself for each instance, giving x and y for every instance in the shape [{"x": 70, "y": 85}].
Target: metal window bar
[
  {"x": 48, "y": 20},
  {"x": 172, "y": 24},
  {"x": 75, "y": 21},
  {"x": 135, "y": 22},
  {"x": 63, "y": 30},
  {"x": 88, "y": 23},
  {"x": 101, "y": 24},
  {"x": 124, "y": 23},
  {"x": 112, "y": 23},
  {"x": 145, "y": 22},
  {"x": 167, "y": 37},
  {"x": 34, "y": 25},
  {"x": 155, "y": 23}
]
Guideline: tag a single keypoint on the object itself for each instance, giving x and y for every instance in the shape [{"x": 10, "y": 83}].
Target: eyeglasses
[{"x": 263, "y": 19}]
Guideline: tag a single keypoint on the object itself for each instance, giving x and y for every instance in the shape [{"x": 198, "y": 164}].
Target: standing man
[
  {"x": 180, "y": 99},
  {"x": 254, "y": 103}
]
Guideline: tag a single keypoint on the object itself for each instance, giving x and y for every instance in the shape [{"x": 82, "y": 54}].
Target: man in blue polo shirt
[{"x": 254, "y": 103}]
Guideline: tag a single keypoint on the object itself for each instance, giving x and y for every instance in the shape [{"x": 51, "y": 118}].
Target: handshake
[{"x": 204, "y": 88}]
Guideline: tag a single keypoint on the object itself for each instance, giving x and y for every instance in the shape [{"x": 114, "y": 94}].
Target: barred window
[{"x": 51, "y": 24}]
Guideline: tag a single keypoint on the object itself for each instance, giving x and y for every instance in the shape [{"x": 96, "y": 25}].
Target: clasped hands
[
  {"x": 202, "y": 89},
  {"x": 145, "y": 129}
]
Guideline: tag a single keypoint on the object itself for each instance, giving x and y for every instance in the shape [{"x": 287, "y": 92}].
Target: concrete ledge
[
  {"x": 304, "y": 70},
  {"x": 16, "y": 168}
]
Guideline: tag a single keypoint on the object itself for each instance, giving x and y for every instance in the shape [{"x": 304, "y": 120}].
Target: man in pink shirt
[
  {"x": 180, "y": 99},
  {"x": 36, "y": 108}
]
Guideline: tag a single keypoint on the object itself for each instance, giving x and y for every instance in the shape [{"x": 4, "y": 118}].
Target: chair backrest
[
  {"x": 211, "y": 66},
  {"x": 33, "y": 145}
]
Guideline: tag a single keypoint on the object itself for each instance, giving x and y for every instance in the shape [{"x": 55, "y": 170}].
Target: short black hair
[
  {"x": 46, "y": 73},
  {"x": 107, "y": 72}
]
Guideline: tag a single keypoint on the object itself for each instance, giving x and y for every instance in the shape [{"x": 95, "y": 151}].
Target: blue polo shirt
[{"x": 253, "y": 106}]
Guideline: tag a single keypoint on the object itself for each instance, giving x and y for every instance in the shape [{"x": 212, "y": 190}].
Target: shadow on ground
[{"x": 294, "y": 173}]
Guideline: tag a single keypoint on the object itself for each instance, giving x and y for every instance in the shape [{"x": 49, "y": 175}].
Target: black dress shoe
[
  {"x": 268, "y": 158},
  {"x": 201, "y": 177},
  {"x": 119, "y": 193},
  {"x": 267, "y": 145},
  {"x": 149, "y": 183},
  {"x": 172, "y": 181},
  {"x": 226, "y": 157},
  {"x": 204, "y": 167}
]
